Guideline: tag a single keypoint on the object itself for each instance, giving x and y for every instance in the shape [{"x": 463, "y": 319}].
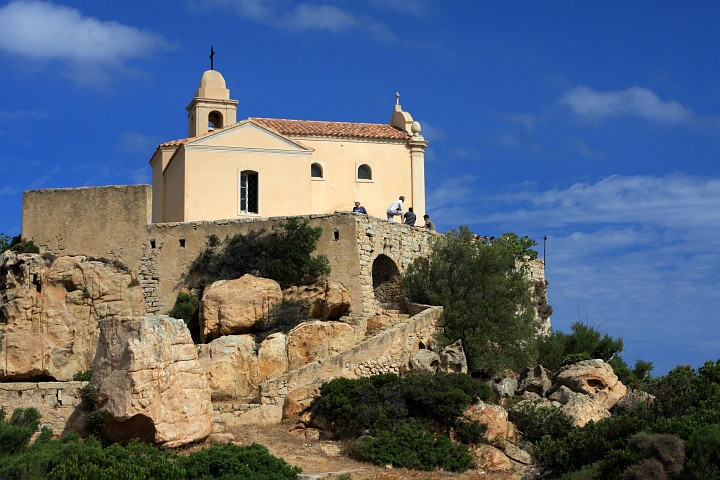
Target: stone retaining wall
[
  {"x": 387, "y": 352},
  {"x": 57, "y": 402}
]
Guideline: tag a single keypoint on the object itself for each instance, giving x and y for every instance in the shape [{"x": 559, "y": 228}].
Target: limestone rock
[
  {"x": 150, "y": 381},
  {"x": 233, "y": 306},
  {"x": 505, "y": 386},
  {"x": 534, "y": 380},
  {"x": 425, "y": 361},
  {"x": 299, "y": 401},
  {"x": 594, "y": 378},
  {"x": 491, "y": 459},
  {"x": 231, "y": 367},
  {"x": 324, "y": 299},
  {"x": 50, "y": 308},
  {"x": 316, "y": 340},
  {"x": 518, "y": 454},
  {"x": 377, "y": 323},
  {"x": 452, "y": 358},
  {"x": 582, "y": 409},
  {"x": 633, "y": 400},
  {"x": 494, "y": 416},
  {"x": 272, "y": 357}
]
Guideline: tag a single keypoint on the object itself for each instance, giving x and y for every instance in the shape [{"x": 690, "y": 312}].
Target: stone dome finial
[
  {"x": 212, "y": 85},
  {"x": 415, "y": 128}
]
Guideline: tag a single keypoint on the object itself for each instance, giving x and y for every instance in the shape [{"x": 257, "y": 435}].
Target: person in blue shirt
[
  {"x": 410, "y": 217},
  {"x": 359, "y": 208}
]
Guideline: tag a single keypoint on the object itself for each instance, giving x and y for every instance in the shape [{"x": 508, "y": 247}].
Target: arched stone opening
[
  {"x": 387, "y": 286},
  {"x": 215, "y": 120}
]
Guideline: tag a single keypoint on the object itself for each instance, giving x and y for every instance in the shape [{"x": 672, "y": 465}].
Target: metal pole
[{"x": 544, "y": 242}]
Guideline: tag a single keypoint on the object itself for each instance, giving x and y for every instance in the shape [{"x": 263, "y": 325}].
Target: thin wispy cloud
[
  {"x": 303, "y": 17},
  {"x": 632, "y": 102},
  {"x": 46, "y": 31},
  {"x": 134, "y": 142}
]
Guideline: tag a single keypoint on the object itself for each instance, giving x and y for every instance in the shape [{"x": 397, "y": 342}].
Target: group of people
[
  {"x": 396, "y": 209},
  {"x": 485, "y": 240}
]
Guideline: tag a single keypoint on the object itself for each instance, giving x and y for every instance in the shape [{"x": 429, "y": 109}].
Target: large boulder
[
  {"x": 534, "y": 380},
  {"x": 581, "y": 408},
  {"x": 231, "y": 366},
  {"x": 315, "y": 340},
  {"x": 595, "y": 379},
  {"x": 424, "y": 361},
  {"x": 50, "y": 308},
  {"x": 452, "y": 358},
  {"x": 150, "y": 382},
  {"x": 272, "y": 357},
  {"x": 499, "y": 429},
  {"x": 232, "y": 307},
  {"x": 324, "y": 299}
]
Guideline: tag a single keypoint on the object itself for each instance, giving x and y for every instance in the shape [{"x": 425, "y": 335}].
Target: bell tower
[{"x": 211, "y": 108}]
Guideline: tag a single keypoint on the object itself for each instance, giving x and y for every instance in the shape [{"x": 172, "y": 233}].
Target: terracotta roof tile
[{"x": 312, "y": 128}]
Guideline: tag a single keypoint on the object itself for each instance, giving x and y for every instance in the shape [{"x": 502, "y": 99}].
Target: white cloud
[
  {"x": 303, "y": 17},
  {"x": 46, "y": 31},
  {"x": 431, "y": 132},
  {"x": 134, "y": 142},
  {"x": 631, "y": 102}
]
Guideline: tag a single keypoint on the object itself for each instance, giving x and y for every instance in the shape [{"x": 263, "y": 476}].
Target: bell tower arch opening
[
  {"x": 387, "y": 285},
  {"x": 215, "y": 120}
]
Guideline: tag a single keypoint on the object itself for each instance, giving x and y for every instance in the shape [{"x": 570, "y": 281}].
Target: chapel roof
[{"x": 313, "y": 128}]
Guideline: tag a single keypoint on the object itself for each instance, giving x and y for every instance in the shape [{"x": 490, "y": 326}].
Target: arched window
[
  {"x": 364, "y": 172},
  {"x": 248, "y": 192},
  {"x": 316, "y": 170},
  {"x": 215, "y": 120}
]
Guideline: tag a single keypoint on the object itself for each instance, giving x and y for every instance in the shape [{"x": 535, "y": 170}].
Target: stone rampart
[{"x": 57, "y": 402}]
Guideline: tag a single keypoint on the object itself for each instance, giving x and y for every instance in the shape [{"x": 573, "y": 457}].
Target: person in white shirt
[{"x": 395, "y": 208}]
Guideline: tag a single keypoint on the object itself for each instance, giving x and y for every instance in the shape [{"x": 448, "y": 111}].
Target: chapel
[{"x": 268, "y": 167}]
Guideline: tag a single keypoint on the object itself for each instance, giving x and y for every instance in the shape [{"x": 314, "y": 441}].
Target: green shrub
[
  {"x": 83, "y": 376},
  {"x": 353, "y": 406},
  {"x": 16, "y": 433},
  {"x": 187, "y": 308},
  {"x": 283, "y": 254},
  {"x": 471, "y": 432},
  {"x": 536, "y": 421},
  {"x": 229, "y": 461},
  {"x": 703, "y": 453},
  {"x": 282, "y": 317},
  {"x": 95, "y": 416},
  {"x": 647, "y": 469},
  {"x": 587, "y": 445},
  {"x": 406, "y": 444},
  {"x": 669, "y": 450}
]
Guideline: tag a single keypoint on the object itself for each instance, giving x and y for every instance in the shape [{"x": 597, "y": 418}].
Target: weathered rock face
[
  {"x": 50, "y": 308},
  {"x": 594, "y": 378},
  {"x": 324, "y": 299},
  {"x": 496, "y": 419},
  {"x": 425, "y": 361},
  {"x": 315, "y": 340},
  {"x": 232, "y": 307},
  {"x": 535, "y": 380},
  {"x": 231, "y": 366},
  {"x": 452, "y": 358},
  {"x": 150, "y": 381},
  {"x": 272, "y": 357}
]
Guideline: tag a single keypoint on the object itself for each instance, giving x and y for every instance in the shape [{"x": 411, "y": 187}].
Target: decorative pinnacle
[{"x": 397, "y": 98}]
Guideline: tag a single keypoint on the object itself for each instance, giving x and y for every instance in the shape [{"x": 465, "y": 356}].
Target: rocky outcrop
[
  {"x": 595, "y": 379},
  {"x": 50, "y": 308},
  {"x": 325, "y": 299},
  {"x": 536, "y": 380},
  {"x": 150, "y": 382},
  {"x": 450, "y": 359},
  {"x": 232, "y": 307},
  {"x": 315, "y": 340},
  {"x": 231, "y": 367},
  {"x": 272, "y": 357},
  {"x": 495, "y": 418}
]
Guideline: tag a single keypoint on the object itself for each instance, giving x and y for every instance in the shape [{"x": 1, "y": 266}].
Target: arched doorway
[{"x": 386, "y": 281}]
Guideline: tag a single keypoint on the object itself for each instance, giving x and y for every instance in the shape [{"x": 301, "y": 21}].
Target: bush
[
  {"x": 668, "y": 450},
  {"x": 16, "y": 433},
  {"x": 282, "y": 317},
  {"x": 284, "y": 254},
  {"x": 537, "y": 421},
  {"x": 703, "y": 453},
  {"x": 229, "y": 461},
  {"x": 187, "y": 308},
  {"x": 471, "y": 432},
  {"x": 485, "y": 295},
  {"x": 83, "y": 376},
  {"x": 405, "y": 444},
  {"x": 354, "y": 406}
]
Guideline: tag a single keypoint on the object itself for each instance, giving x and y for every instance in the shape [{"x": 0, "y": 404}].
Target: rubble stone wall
[{"x": 57, "y": 402}]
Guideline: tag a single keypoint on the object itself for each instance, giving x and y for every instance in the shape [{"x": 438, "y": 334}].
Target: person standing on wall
[
  {"x": 359, "y": 208},
  {"x": 395, "y": 208},
  {"x": 410, "y": 217}
]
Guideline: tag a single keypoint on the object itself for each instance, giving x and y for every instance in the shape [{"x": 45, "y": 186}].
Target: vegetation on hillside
[
  {"x": 17, "y": 244},
  {"x": 485, "y": 295},
  {"x": 405, "y": 421},
  {"x": 71, "y": 458}
]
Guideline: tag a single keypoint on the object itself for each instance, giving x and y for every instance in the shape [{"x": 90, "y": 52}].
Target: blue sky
[{"x": 596, "y": 124}]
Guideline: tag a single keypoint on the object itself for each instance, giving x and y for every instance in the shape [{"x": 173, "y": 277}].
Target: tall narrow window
[
  {"x": 248, "y": 192},
  {"x": 316, "y": 170},
  {"x": 364, "y": 172}
]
